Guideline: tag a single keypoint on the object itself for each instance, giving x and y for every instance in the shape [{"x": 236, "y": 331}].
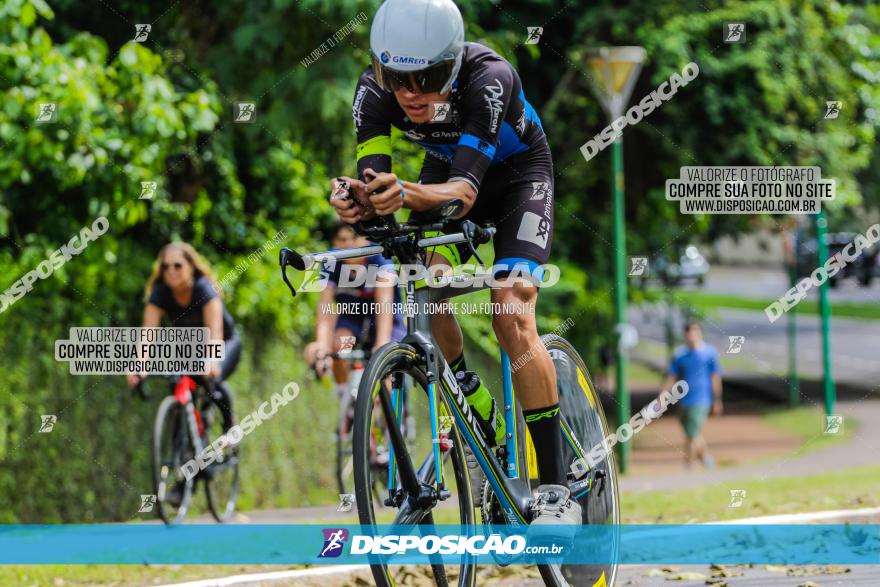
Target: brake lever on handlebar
[
  {"x": 470, "y": 231},
  {"x": 292, "y": 258}
]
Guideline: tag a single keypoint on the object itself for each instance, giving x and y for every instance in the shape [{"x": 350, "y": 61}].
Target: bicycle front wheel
[
  {"x": 221, "y": 476},
  {"x": 172, "y": 448},
  {"x": 392, "y": 363}
]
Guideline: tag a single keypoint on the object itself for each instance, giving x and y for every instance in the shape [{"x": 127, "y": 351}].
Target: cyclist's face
[
  {"x": 176, "y": 270},
  {"x": 417, "y": 106},
  {"x": 348, "y": 239}
]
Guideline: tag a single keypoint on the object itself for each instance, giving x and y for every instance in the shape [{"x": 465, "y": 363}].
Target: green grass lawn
[
  {"x": 709, "y": 301},
  {"x": 808, "y": 422},
  {"x": 850, "y": 488}
]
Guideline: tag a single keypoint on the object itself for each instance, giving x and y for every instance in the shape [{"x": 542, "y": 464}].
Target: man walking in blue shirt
[{"x": 697, "y": 364}]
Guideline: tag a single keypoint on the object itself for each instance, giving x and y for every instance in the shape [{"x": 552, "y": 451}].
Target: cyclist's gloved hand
[
  {"x": 349, "y": 197},
  {"x": 385, "y": 190},
  {"x": 214, "y": 371}
]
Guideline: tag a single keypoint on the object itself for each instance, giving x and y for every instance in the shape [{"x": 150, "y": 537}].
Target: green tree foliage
[{"x": 162, "y": 110}]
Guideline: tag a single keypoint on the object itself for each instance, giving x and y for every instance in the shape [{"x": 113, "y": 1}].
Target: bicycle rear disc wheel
[
  {"x": 402, "y": 360},
  {"x": 581, "y": 409},
  {"x": 172, "y": 447},
  {"x": 221, "y": 476}
]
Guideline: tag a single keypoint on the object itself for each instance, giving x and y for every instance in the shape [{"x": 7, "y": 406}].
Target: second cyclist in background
[{"x": 359, "y": 322}]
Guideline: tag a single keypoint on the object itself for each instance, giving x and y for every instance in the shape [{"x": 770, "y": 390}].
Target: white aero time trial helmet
[{"x": 417, "y": 44}]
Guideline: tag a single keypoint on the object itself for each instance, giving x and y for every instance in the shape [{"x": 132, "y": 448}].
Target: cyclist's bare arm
[
  {"x": 384, "y": 296},
  {"x": 212, "y": 317},
  {"x": 418, "y": 196},
  {"x": 325, "y": 324},
  {"x": 152, "y": 319}
]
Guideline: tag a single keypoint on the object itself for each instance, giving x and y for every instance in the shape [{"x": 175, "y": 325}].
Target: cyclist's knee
[
  {"x": 512, "y": 327},
  {"x": 513, "y": 314}
]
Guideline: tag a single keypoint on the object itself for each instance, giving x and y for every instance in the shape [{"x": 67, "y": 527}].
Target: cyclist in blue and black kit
[{"x": 484, "y": 144}]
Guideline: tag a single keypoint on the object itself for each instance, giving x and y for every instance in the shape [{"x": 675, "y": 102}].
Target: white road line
[
  {"x": 275, "y": 576},
  {"x": 345, "y": 569},
  {"x": 806, "y": 517}
]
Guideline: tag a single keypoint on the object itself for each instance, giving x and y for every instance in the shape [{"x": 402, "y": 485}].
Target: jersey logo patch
[
  {"x": 493, "y": 101},
  {"x": 356, "y": 108},
  {"x": 534, "y": 229}
]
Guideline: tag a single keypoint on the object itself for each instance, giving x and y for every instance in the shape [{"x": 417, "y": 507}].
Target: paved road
[
  {"x": 756, "y": 282},
  {"x": 855, "y": 344}
]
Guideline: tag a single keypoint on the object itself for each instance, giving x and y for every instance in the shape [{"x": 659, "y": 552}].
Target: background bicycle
[{"x": 187, "y": 421}]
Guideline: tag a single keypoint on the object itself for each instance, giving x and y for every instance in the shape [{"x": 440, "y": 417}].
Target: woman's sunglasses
[{"x": 177, "y": 266}]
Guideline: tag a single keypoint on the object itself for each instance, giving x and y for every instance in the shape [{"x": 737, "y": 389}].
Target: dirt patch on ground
[{"x": 733, "y": 439}]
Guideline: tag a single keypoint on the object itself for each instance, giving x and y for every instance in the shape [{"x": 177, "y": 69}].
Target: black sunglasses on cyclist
[
  {"x": 426, "y": 81},
  {"x": 177, "y": 266}
]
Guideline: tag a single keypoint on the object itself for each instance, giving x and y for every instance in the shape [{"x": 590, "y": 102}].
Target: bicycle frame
[{"x": 512, "y": 492}]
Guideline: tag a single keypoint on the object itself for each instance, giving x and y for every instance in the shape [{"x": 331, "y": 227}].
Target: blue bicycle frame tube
[
  {"x": 397, "y": 402},
  {"x": 509, "y": 418},
  {"x": 435, "y": 435}
]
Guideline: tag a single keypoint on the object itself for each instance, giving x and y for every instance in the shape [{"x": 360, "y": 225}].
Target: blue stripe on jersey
[
  {"x": 445, "y": 151},
  {"x": 531, "y": 113},
  {"x": 478, "y": 144},
  {"x": 509, "y": 143}
]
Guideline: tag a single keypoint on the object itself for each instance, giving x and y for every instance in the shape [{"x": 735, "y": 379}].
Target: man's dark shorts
[{"x": 692, "y": 419}]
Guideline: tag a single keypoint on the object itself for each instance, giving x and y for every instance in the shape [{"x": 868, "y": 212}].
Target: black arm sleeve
[
  {"x": 371, "y": 125},
  {"x": 488, "y": 96},
  {"x": 434, "y": 169}
]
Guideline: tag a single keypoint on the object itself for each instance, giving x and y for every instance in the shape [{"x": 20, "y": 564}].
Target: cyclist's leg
[
  {"x": 444, "y": 326},
  {"x": 522, "y": 245},
  {"x": 227, "y": 368},
  {"x": 346, "y": 326}
]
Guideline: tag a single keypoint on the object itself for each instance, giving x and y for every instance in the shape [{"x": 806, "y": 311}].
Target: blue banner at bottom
[{"x": 450, "y": 544}]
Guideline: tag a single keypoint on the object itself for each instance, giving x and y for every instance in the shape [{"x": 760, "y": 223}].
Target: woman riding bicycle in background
[{"x": 182, "y": 289}]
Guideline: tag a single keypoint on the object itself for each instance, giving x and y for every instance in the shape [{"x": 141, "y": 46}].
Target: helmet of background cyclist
[{"x": 417, "y": 44}]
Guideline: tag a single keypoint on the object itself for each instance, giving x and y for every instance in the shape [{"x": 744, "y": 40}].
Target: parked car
[
  {"x": 691, "y": 266},
  {"x": 864, "y": 268}
]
